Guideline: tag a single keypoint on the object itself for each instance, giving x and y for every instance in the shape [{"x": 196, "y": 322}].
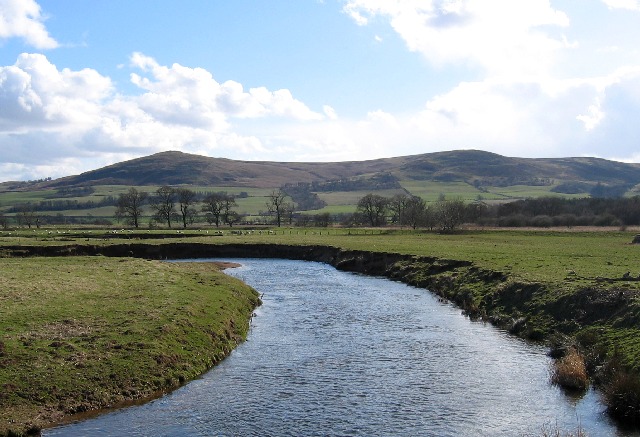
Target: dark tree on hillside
[
  {"x": 130, "y": 206},
  {"x": 4, "y": 221},
  {"x": 163, "y": 204},
  {"x": 186, "y": 199},
  {"x": 373, "y": 208}
]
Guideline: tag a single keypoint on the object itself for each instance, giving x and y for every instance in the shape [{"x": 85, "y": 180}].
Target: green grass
[
  {"x": 430, "y": 191},
  {"x": 351, "y": 198},
  {"x": 85, "y": 332},
  {"x": 528, "y": 191},
  {"x": 11, "y": 198}
]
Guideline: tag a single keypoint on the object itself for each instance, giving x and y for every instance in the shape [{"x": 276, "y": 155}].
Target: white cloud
[
  {"x": 34, "y": 93},
  {"x": 633, "y": 5},
  {"x": 48, "y": 115},
  {"x": 23, "y": 19},
  {"x": 330, "y": 112},
  {"x": 184, "y": 95},
  {"x": 504, "y": 37}
]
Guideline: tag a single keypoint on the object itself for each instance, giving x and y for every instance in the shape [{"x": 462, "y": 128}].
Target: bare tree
[
  {"x": 228, "y": 215},
  {"x": 217, "y": 206},
  {"x": 373, "y": 208},
  {"x": 231, "y": 218},
  {"x": 163, "y": 204},
  {"x": 129, "y": 206},
  {"x": 27, "y": 216},
  {"x": 4, "y": 221},
  {"x": 278, "y": 206},
  {"x": 186, "y": 198},
  {"x": 451, "y": 214},
  {"x": 322, "y": 220},
  {"x": 397, "y": 205},
  {"x": 414, "y": 212}
]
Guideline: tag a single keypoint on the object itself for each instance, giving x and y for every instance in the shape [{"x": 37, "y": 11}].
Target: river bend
[{"x": 334, "y": 353}]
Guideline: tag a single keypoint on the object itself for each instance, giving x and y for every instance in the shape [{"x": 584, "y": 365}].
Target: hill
[
  {"x": 471, "y": 166},
  {"x": 334, "y": 187},
  {"x": 177, "y": 168}
]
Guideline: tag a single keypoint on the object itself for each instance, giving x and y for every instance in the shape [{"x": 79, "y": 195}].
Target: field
[
  {"x": 84, "y": 333},
  {"x": 256, "y": 198}
]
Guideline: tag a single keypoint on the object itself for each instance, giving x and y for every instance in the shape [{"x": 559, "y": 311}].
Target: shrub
[
  {"x": 570, "y": 371},
  {"x": 542, "y": 221},
  {"x": 622, "y": 397}
]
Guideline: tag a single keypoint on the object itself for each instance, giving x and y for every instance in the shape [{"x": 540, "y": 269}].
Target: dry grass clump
[{"x": 570, "y": 371}]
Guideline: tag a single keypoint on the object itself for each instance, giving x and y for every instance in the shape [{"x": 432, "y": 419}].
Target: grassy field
[
  {"x": 531, "y": 255},
  {"x": 84, "y": 333}
]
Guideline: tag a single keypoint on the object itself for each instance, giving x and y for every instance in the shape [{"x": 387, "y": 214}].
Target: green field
[{"x": 83, "y": 333}]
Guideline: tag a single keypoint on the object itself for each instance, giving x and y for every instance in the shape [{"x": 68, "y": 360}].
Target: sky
[{"x": 86, "y": 83}]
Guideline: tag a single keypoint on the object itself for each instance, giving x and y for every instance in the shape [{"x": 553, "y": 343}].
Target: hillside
[
  {"x": 334, "y": 187},
  {"x": 471, "y": 166},
  {"x": 177, "y": 168}
]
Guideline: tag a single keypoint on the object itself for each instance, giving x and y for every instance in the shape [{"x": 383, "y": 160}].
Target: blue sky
[{"x": 87, "y": 83}]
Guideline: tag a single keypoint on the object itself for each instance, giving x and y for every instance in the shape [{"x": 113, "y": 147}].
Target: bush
[
  {"x": 622, "y": 397},
  {"x": 570, "y": 371},
  {"x": 542, "y": 221}
]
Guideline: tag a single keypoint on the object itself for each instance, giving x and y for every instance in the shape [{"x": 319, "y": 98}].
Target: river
[{"x": 334, "y": 353}]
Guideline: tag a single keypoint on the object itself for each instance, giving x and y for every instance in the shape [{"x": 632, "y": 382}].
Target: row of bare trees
[
  {"x": 169, "y": 204},
  {"x": 413, "y": 211}
]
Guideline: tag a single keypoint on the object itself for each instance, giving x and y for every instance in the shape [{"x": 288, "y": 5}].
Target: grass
[
  {"x": 430, "y": 191},
  {"x": 83, "y": 333},
  {"x": 570, "y": 371}
]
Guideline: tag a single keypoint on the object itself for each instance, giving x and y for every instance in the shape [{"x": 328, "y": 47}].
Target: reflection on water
[{"x": 332, "y": 353}]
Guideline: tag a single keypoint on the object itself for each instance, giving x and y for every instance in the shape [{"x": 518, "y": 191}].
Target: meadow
[{"x": 84, "y": 333}]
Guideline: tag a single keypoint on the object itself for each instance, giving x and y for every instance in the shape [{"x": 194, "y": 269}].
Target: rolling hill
[
  {"x": 484, "y": 168},
  {"x": 333, "y": 187}
]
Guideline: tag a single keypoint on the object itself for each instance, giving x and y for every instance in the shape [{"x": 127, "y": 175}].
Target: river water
[{"x": 334, "y": 353}]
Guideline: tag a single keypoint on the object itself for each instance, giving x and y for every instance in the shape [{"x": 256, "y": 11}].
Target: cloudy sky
[{"x": 86, "y": 83}]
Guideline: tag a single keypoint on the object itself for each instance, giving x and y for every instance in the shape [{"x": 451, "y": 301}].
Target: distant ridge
[{"x": 178, "y": 168}]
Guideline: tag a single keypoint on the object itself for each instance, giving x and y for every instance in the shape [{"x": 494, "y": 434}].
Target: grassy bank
[{"x": 82, "y": 333}]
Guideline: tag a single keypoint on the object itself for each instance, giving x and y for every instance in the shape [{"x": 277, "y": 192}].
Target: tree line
[
  {"x": 181, "y": 206},
  {"x": 170, "y": 205},
  {"x": 446, "y": 215}
]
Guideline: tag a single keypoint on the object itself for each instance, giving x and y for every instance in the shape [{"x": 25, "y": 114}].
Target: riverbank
[
  {"x": 80, "y": 334},
  {"x": 570, "y": 289}
]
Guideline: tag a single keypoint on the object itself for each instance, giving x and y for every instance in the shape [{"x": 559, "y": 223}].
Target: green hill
[{"x": 468, "y": 174}]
